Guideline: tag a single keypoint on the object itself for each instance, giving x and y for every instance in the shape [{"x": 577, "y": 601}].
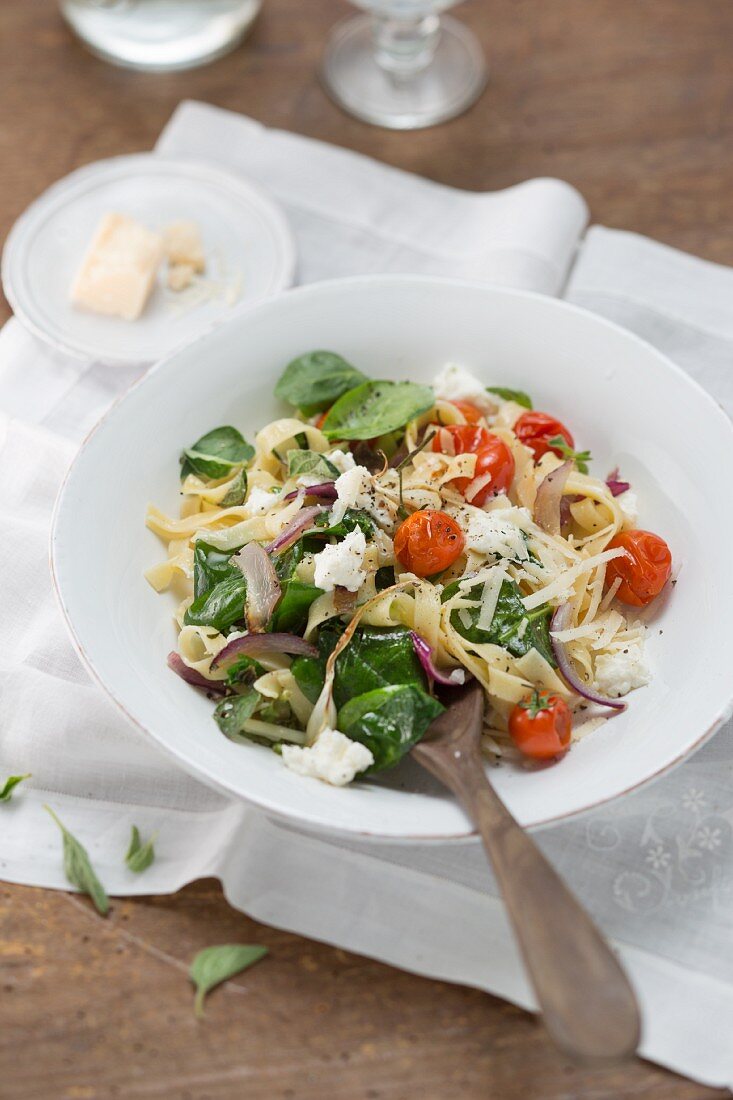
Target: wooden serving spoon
[{"x": 588, "y": 1005}]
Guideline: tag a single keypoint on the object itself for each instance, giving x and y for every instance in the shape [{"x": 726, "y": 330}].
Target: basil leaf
[
  {"x": 10, "y": 784},
  {"x": 376, "y": 408},
  {"x": 519, "y": 396},
  {"x": 236, "y": 492},
  {"x": 232, "y": 712},
  {"x": 311, "y": 464},
  {"x": 376, "y": 657},
  {"x": 506, "y": 627},
  {"x": 389, "y": 721},
  {"x": 221, "y": 606},
  {"x": 139, "y": 856},
  {"x": 314, "y": 381},
  {"x": 291, "y": 614},
  {"x": 216, "y": 453},
  {"x": 211, "y": 566},
  {"x": 78, "y": 868},
  {"x": 214, "y": 965},
  {"x": 244, "y": 671},
  {"x": 580, "y": 458}
]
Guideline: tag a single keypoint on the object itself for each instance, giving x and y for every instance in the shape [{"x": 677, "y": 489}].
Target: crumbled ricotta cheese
[
  {"x": 333, "y": 758},
  {"x": 260, "y": 501},
  {"x": 491, "y": 533},
  {"x": 628, "y": 502},
  {"x": 355, "y": 489},
  {"x": 455, "y": 383},
  {"x": 619, "y": 671},
  {"x": 342, "y": 460},
  {"x": 341, "y": 565}
]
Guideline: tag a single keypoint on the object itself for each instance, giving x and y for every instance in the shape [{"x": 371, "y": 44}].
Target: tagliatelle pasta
[{"x": 403, "y": 537}]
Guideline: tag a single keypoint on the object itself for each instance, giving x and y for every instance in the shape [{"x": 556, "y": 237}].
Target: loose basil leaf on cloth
[
  {"x": 314, "y": 381},
  {"x": 216, "y": 454},
  {"x": 9, "y": 786},
  {"x": 376, "y": 408},
  {"x": 211, "y": 566},
  {"x": 311, "y": 464},
  {"x": 232, "y": 712},
  {"x": 518, "y": 396},
  {"x": 221, "y": 606},
  {"x": 214, "y": 965},
  {"x": 506, "y": 626},
  {"x": 236, "y": 492},
  {"x": 376, "y": 657},
  {"x": 389, "y": 721},
  {"x": 291, "y": 614},
  {"x": 139, "y": 856},
  {"x": 78, "y": 868}
]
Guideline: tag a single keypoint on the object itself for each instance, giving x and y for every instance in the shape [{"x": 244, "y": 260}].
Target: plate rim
[
  {"x": 314, "y": 823},
  {"x": 13, "y": 248}
]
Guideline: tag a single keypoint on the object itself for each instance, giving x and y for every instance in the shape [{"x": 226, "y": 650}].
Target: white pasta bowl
[{"x": 622, "y": 399}]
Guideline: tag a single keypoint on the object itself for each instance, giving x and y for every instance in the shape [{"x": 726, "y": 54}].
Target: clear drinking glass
[
  {"x": 160, "y": 34},
  {"x": 404, "y": 65}
]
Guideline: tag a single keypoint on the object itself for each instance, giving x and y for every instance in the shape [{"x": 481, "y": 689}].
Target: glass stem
[{"x": 404, "y": 47}]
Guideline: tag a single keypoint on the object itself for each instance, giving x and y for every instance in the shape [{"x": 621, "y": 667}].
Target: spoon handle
[{"x": 588, "y": 1005}]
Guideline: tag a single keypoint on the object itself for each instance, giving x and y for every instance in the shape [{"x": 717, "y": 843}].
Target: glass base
[
  {"x": 160, "y": 35},
  {"x": 452, "y": 81}
]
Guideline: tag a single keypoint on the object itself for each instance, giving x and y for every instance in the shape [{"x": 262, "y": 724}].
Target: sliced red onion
[
  {"x": 325, "y": 490},
  {"x": 615, "y": 484},
  {"x": 344, "y": 601},
  {"x": 191, "y": 676},
  {"x": 260, "y": 645},
  {"x": 560, "y": 621},
  {"x": 549, "y": 497},
  {"x": 292, "y": 532},
  {"x": 425, "y": 656},
  {"x": 263, "y": 587}
]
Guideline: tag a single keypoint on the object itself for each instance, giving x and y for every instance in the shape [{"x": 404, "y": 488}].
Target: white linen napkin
[{"x": 654, "y": 868}]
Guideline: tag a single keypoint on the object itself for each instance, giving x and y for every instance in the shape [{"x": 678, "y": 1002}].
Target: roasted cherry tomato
[
  {"x": 428, "y": 541},
  {"x": 540, "y": 726},
  {"x": 470, "y": 412},
  {"x": 536, "y": 429},
  {"x": 644, "y": 569},
  {"x": 493, "y": 457}
]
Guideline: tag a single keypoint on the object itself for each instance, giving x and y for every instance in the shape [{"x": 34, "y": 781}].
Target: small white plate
[
  {"x": 248, "y": 244},
  {"x": 623, "y": 399}
]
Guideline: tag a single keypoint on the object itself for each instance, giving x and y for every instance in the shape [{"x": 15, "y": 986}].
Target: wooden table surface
[{"x": 633, "y": 104}]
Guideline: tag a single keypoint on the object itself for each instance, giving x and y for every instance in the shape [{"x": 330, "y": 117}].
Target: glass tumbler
[
  {"x": 160, "y": 34},
  {"x": 403, "y": 65}
]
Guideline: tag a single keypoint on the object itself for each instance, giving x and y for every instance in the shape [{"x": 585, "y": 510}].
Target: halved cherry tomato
[
  {"x": 471, "y": 414},
  {"x": 540, "y": 726},
  {"x": 428, "y": 541},
  {"x": 492, "y": 457},
  {"x": 536, "y": 429},
  {"x": 644, "y": 569}
]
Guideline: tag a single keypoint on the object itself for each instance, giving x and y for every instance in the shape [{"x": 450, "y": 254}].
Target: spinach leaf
[
  {"x": 139, "y": 856},
  {"x": 78, "y": 868},
  {"x": 232, "y": 712},
  {"x": 216, "y": 454},
  {"x": 506, "y": 626},
  {"x": 376, "y": 408},
  {"x": 519, "y": 396},
  {"x": 9, "y": 786},
  {"x": 389, "y": 721},
  {"x": 236, "y": 492},
  {"x": 353, "y": 518},
  {"x": 244, "y": 671},
  {"x": 384, "y": 578},
  {"x": 211, "y": 566},
  {"x": 214, "y": 965},
  {"x": 221, "y": 606},
  {"x": 291, "y": 614},
  {"x": 311, "y": 464},
  {"x": 314, "y": 381},
  {"x": 376, "y": 657}
]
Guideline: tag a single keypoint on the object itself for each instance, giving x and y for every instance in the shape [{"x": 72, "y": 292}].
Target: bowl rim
[{"x": 314, "y": 823}]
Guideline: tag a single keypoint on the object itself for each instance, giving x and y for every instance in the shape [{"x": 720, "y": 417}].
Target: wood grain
[{"x": 630, "y": 102}]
